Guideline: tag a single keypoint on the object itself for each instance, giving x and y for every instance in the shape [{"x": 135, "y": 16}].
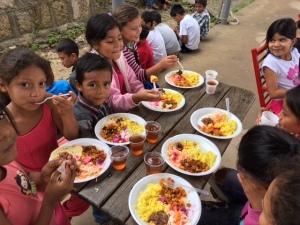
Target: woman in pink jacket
[{"x": 105, "y": 38}]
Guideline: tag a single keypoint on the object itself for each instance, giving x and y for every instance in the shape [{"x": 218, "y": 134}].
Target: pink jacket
[
  {"x": 117, "y": 101},
  {"x": 251, "y": 216}
]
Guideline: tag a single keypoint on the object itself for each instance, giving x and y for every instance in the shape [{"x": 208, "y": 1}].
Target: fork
[
  {"x": 172, "y": 186},
  {"x": 51, "y": 98}
]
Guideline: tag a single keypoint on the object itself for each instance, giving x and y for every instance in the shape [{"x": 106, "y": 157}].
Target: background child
[
  {"x": 68, "y": 53},
  {"x": 202, "y": 17},
  {"x": 105, "y": 38},
  {"x": 154, "y": 38},
  {"x": 281, "y": 65},
  {"x": 170, "y": 39},
  {"x": 144, "y": 49},
  {"x": 189, "y": 34},
  {"x": 32, "y": 207}
]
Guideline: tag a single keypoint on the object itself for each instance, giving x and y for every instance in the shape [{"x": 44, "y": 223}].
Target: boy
[
  {"x": 170, "y": 39},
  {"x": 144, "y": 49},
  {"x": 68, "y": 53},
  {"x": 154, "y": 38},
  {"x": 189, "y": 34},
  {"x": 202, "y": 17}
]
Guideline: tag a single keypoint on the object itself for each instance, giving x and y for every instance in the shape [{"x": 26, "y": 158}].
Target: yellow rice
[
  {"x": 168, "y": 95},
  {"x": 133, "y": 126},
  {"x": 148, "y": 203},
  {"x": 193, "y": 78},
  {"x": 227, "y": 127},
  {"x": 194, "y": 150}
]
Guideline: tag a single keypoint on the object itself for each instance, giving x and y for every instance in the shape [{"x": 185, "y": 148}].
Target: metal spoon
[
  {"x": 39, "y": 103},
  {"x": 228, "y": 108}
]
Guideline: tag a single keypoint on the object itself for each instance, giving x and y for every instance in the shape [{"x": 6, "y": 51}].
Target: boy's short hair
[
  {"x": 145, "y": 32},
  {"x": 156, "y": 16},
  {"x": 67, "y": 46},
  {"x": 177, "y": 9},
  {"x": 147, "y": 17},
  {"x": 90, "y": 62},
  {"x": 202, "y": 2}
]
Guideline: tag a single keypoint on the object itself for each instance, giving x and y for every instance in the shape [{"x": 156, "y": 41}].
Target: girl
[
  {"x": 130, "y": 21},
  {"x": 105, "y": 38},
  {"x": 20, "y": 203},
  {"x": 281, "y": 65},
  {"x": 23, "y": 79},
  {"x": 261, "y": 148}
]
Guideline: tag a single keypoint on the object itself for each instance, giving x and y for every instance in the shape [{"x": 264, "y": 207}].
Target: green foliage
[
  {"x": 243, "y": 5},
  {"x": 74, "y": 32},
  {"x": 35, "y": 47},
  {"x": 53, "y": 38},
  {"x": 35, "y": 34}
]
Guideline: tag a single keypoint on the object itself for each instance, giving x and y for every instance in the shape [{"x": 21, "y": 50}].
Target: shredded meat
[
  {"x": 159, "y": 218},
  {"x": 207, "y": 121}
]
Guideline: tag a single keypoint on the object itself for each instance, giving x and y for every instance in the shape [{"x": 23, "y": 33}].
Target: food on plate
[
  {"x": 185, "y": 79},
  {"x": 89, "y": 159},
  {"x": 159, "y": 204},
  {"x": 153, "y": 79},
  {"x": 187, "y": 155},
  {"x": 119, "y": 129},
  {"x": 168, "y": 100},
  {"x": 217, "y": 124}
]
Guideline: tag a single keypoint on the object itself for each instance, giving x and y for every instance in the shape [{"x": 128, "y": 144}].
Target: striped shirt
[{"x": 203, "y": 19}]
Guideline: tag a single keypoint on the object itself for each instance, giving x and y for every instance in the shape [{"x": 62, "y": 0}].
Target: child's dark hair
[
  {"x": 156, "y": 16},
  {"x": 285, "y": 200},
  {"x": 285, "y": 27},
  {"x": 145, "y": 32},
  {"x": 98, "y": 26},
  {"x": 14, "y": 61},
  {"x": 90, "y": 62},
  {"x": 67, "y": 46},
  {"x": 5, "y": 112},
  {"x": 202, "y": 2},
  {"x": 293, "y": 102},
  {"x": 125, "y": 14},
  {"x": 177, "y": 9},
  {"x": 263, "y": 147},
  {"x": 147, "y": 17}
]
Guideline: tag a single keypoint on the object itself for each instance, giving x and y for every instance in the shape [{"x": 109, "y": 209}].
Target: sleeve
[
  {"x": 252, "y": 217},
  {"x": 150, "y": 61},
  {"x": 270, "y": 63},
  {"x": 4, "y": 205},
  {"x": 183, "y": 28},
  {"x": 204, "y": 27},
  {"x": 86, "y": 129},
  {"x": 135, "y": 84}
]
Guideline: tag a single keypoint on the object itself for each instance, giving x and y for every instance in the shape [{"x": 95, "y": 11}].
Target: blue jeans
[
  {"x": 150, "y": 3},
  {"x": 99, "y": 216}
]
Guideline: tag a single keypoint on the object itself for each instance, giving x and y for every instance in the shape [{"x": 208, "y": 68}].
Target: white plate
[
  {"x": 100, "y": 145},
  {"x": 150, "y": 105},
  {"x": 101, "y": 122},
  {"x": 192, "y": 196},
  {"x": 205, "y": 145},
  {"x": 201, "y": 79},
  {"x": 198, "y": 115}
]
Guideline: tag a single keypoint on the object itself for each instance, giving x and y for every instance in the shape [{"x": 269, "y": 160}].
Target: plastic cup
[
  {"x": 211, "y": 86},
  {"x": 119, "y": 157},
  {"x": 211, "y": 74},
  {"x": 268, "y": 118},
  {"x": 154, "y": 162},
  {"x": 137, "y": 144},
  {"x": 152, "y": 130}
]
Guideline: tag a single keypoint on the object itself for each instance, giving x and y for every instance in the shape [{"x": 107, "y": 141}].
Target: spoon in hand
[
  {"x": 39, "y": 103},
  {"x": 179, "y": 72}
]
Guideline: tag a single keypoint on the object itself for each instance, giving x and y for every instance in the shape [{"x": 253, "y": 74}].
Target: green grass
[{"x": 241, "y": 6}]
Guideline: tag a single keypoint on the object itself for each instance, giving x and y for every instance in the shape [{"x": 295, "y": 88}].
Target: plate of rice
[
  {"x": 116, "y": 129},
  {"x": 188, "y": 79},
  {"x": 191, "y": 154},
  {"x": 216, "y": 123},
  {"x": 170, "y": 101},
  {"x": 148, "y": 199}
]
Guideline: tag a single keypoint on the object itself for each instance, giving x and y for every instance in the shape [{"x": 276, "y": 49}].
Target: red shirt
[{"x": 145, "y": 54}]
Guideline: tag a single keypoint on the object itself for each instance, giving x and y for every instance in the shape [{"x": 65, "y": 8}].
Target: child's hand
[
  {"x": 64, "y": 104},
  {"x": 146, "y": 95},
  {"x": 169, "y": 61},
  {"x": 258, "y": 119}
]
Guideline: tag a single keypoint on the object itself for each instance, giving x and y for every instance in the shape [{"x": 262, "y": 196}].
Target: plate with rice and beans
[
  {"x": 170, "y": 101},
  {"x": 151, "y": 202},
  {"x": 216, "y": 123},
  {"x": 92, "y": 157},
  {"x": 191, "y": 154},
  {"x": 184, "y": 79},
  {"x": 116, "y": 129}
]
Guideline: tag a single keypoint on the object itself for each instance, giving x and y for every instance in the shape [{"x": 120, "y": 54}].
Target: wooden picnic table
[{"x": 110, "y": 191}]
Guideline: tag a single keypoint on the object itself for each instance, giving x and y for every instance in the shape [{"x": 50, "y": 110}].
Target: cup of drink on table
[
  {"x": 268, "y": 118},
  {"x": 119, "y": 157},
  {"x": 152, "y": 130},
  {"x": 154, "y": 162},
  {"x": 211, "y": 86},
  {"x": 211, "y": 75},
  {"x": 137, "y": 144}
]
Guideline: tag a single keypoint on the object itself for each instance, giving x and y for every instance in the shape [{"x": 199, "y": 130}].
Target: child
[
  {"x": 281, "y": 65},
  {"x": 20, "y": 202},
  {"x": 144, "y": 49},
  {"x": 129, "y": 19},
  {"x": 154, "y": 38},
  {"x": 23, "y": 79},
  {"x": 189, "y": 34},
  {"x": 68, "y": 53},
  {"x": 170, "y": 39},
  {"x": 202, "y": 17},
  {"x": 105, "y": 38}
]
